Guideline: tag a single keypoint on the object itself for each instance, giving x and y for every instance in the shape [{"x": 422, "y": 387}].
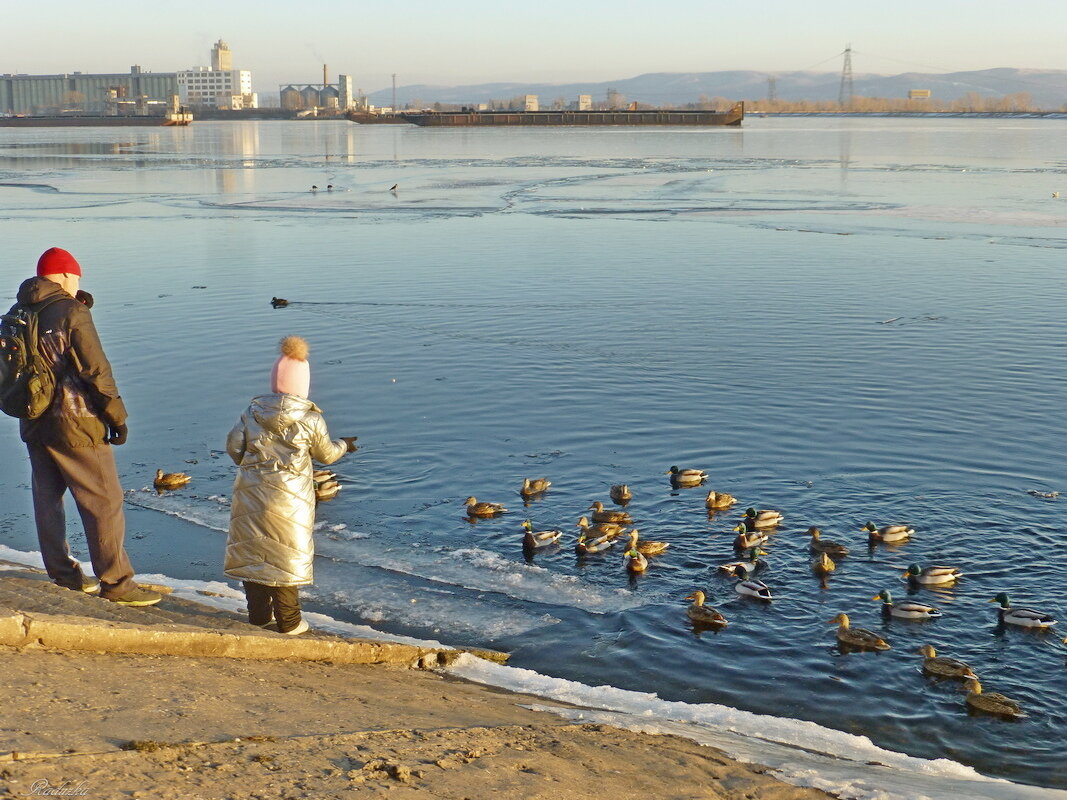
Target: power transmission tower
[
  {"x": 772, "y": 89},
  {"x": 844, "y": 98}
]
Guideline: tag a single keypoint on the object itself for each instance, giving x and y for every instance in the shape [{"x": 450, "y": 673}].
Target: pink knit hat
[{"x": 292, "y": 373}]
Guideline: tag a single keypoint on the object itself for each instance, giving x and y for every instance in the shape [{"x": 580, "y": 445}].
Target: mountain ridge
[{"x": 1047, "y": 88}]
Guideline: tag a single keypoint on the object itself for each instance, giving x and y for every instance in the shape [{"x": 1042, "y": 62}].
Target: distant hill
[{"x": 1047, "y": 87}]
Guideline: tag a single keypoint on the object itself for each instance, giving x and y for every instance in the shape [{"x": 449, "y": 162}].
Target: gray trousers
[{"x": 93, "y": 480}]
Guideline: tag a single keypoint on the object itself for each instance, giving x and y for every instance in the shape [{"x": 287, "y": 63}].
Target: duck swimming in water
[
  {"x": 476, "y": 509},
  {"x": 823, "y": 565},
  {"x": 820, "y": 545},
  {"x": 279, "y": 302},
  {"x": 754, "y": 565},
  {"x": 534, "y": 486},
  {"x": 759, "y": 520},
  {"x": 906, "y": 609},
  {"x": 621, "y": 494},
  {"x": 600, "y": 514},
  {"x": 942, "y": 666},
  {"x": 931, "y": 576},
  {"x": 608, "y": 529},
  {"x": 686, "y": 477},
  {"x": 749, "y": 587},
  {"x": 702, "y": 614},
  {"x": 532, "y": 542},
  {"x": 716, "y": 501},
  {"x": 857, "y": 637},
  {"x": 746, "y": 540},
  {"x": 888, "y": 534},
  {"x": 993, "y": 702},
  {"x": 166, "y": 481},
  {"x": 646, "y": 548},
  {"x": 1022, "y": 617}
]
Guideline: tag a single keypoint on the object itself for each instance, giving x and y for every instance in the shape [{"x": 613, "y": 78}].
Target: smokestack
[{"x": 325, "y": 79}]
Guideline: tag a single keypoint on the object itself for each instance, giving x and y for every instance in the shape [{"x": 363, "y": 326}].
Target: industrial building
[
  {"x": 322, "y": 97},
  {"x": 217, "y": 86},
  {"x": 82, "y": 93}
]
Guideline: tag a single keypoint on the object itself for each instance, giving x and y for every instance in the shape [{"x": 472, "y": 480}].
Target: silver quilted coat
[{"x": 272, "y": 513}]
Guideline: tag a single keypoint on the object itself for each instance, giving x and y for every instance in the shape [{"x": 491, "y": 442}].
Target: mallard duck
[
  {"x": 702, "y": 614},
  {"x": 326, "y": 491},
  {"x": 635, "y": 561},
  {"x": 748, "y": 587},
  {"x": 609, "y": 529},
  {"x": 166, "y": 481},
  {"x": 746, "y": 540},
  {"x": 942, "y": 666},
  {"x": 931, "y": 576},
  {"x": 646, "y": 548},
  {"x": 754, "y": 564},
  {"x": 476, "y": 509},
  {"x": 905, "y": 610},
  {"x": 535, "y": 486},
  {"x": 820, "y": 545},
  {"x": 823, "y": 565},
  {"x": 718, "y": 500},
  {"x": 609, "y": 515},
  {"x": 857, "y": 637},
  {"x": 887, "y": 533},
  {"x": 1023, "y": 617},
  {"x": 686, "y": 477},
  {"x": 993, "y": 702},
  {"x": 765, "y": 518},
  {"x": 585, "y": 546},
  {"x": 621, "y": 494},
  {"x": 323, "y": 475},
  {"x": 532, "y": 542}
]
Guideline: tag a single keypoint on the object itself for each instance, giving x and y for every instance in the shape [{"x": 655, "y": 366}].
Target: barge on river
[
  {"x": 97, "y": 120},
  {"x": 477, "y": 119}
]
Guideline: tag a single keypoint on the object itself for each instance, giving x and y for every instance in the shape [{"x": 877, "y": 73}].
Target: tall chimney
[{"x": 325, "y": 79}]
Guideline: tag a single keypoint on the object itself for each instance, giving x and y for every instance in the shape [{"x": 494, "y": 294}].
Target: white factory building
[{"x": 218, "y": 86}]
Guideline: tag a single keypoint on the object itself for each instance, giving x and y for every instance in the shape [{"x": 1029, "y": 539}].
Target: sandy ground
[
  {"x": 242, "y": 729},
  {"x": 213, "y": 728}
]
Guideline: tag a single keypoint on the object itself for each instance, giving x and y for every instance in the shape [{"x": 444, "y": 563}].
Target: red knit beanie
[{"x": 55, "y": 261}]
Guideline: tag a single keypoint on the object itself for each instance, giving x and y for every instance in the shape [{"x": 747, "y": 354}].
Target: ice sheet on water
[
  {"x": 482, "y": 570},
  {"x": 799, "y": 752}
]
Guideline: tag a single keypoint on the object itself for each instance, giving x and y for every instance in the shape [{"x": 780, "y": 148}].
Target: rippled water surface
[{"x": 841, "y": 319}]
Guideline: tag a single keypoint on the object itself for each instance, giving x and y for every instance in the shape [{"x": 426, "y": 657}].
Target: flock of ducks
[
  {"x": 326, "y": 484},
  {"x": 603, "y": 527}
]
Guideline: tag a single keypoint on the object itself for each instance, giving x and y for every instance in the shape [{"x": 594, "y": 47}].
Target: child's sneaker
[{"x": 301, "y": 627}]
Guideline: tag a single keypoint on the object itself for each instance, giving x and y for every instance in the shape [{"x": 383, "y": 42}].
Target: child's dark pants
[{"x": 280, "y": 602}]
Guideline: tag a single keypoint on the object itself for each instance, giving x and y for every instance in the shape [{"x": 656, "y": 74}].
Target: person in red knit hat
[{"x": 70, "y": 443}]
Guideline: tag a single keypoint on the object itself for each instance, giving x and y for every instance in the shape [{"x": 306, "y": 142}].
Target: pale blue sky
[{"x": 475, "y": 41}]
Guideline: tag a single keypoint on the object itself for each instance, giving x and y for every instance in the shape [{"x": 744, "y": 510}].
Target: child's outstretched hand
[{"x": 350, "y": 443}]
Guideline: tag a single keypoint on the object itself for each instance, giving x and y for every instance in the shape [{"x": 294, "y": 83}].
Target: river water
[{"x": 843, "y": 319}]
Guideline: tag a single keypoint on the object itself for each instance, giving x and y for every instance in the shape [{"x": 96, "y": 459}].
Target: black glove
[
  {"x": 84, "y": 297},
  {"x": 116, "y": 434},
  {"x": 350, "y": 443}
]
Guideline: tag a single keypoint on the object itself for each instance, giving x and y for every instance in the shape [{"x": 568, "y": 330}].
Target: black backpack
[{"x": 27, "y": 383}]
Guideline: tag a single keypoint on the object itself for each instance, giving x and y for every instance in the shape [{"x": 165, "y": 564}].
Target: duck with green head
[
  {"x": 906, "y": 609},
  {"x": 1022, "y": 617},
  {"x": 756, "y": 520},
  {"x": 746, "y": 540},
  {"x": 931, "y": 576},
  {"x": 686, "y": 477},
  {"x": 887, "y": 534},
  {"x": 753, "y": 565}
]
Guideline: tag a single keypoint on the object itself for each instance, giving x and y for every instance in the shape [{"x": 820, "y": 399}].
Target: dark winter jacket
[{"x": 86, "y": 399}]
